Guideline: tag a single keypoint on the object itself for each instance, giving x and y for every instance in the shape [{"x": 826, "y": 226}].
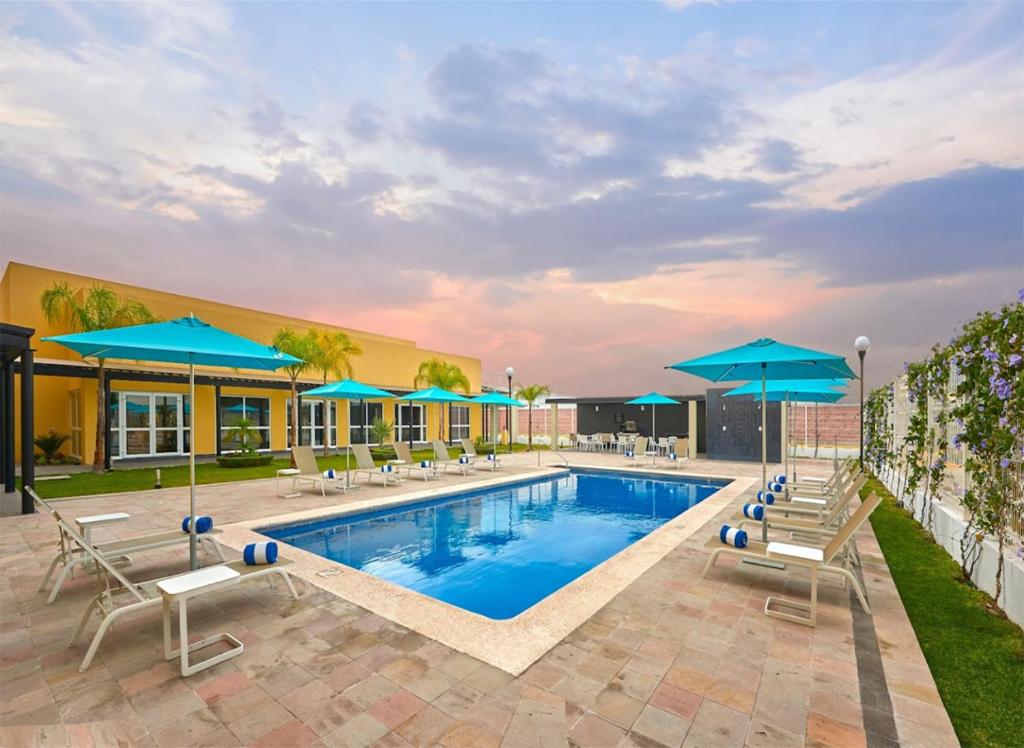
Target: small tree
[
  {"x": 50, "y": 444},
  {"x": 436, "y": 372},
  {"x": 247, "y": 435},
  {"x": 381, "y": 431},
  {"x": 303, "y": 346},
  {"x": 531, "y": 393},
  {"x": 87, "y": 310},
  {"x": 332, "y": 355}
]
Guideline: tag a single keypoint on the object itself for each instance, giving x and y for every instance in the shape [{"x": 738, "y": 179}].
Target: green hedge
[{"x": 244, "y": 461}]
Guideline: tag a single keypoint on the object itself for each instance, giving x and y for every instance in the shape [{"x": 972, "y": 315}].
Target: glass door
[
  {"x": 75, "y": 423},
  {"x": 148, "y": 424}
]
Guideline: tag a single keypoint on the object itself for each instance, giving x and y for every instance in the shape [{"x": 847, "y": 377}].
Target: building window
[
  {"x": 311, "y": 421},
  {"x": 460, "y": 422},
  {"x": 147, "y": 424},
  {"x": 75, "y": 423},
  {"x": 410, "y": 416},
  {"x": 361, "y": 417},
  {"x": 234, "y": 409}
]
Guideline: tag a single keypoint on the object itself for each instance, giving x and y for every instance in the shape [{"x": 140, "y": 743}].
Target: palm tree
[
  {"x": 333, "y": 356},
  {"x": 531, "y": 393},
  {"x": 87, "y": 310},
  {"x": 303, "y": 346},
  {"x": 436, "y": 372}
]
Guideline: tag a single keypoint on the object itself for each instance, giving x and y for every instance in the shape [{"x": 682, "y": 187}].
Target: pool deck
[{"x": 671, "y": 659}]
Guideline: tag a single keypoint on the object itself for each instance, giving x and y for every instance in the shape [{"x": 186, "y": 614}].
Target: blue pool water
[{"x": 498, "y": 551}]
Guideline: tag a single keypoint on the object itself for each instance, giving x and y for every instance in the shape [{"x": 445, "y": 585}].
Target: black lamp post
[
  {"x": 508, "y": 408},
  {"x": 862, "y": 345}
]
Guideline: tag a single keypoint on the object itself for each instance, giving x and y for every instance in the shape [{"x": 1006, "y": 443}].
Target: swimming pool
[{"x": 498, "y": 551}]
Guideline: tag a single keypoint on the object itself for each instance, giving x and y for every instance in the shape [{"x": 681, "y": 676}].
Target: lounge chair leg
[
  {"x": 288, "y": 581},
  {"x": 100, "y": 632},
  {"x": 710, "y": 563},
  {"x": 857, "y": 588},
  {"x": 61, "y": 579},
  {"x": 49, "y": 572},
  {"x": 814, "y": 596},
  {"x": 94, "y": 603}
]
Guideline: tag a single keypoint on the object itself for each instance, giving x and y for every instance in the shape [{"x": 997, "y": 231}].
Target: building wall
[
  {"x": 733, "y": 428},
  {"x": 386, "y": 361}
]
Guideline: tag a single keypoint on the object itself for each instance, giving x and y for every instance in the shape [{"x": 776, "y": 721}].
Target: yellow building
[{"x": 148, "y": 403}]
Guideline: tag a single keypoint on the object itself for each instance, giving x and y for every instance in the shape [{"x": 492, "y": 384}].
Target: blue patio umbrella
[
  {"x": 795, "y": 390},
  {"x": 654, "y": 400},
  {"x": 496, "y": 400},
  {"x": 433, "y": 395},
  {"x": 187, "y": 340},
  {"x": 766, "y": 359},
  {"x": 348, "y": 389}
]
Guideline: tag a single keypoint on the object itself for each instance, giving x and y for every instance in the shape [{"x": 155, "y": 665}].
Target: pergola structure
[{"x": 16, "y": 346}]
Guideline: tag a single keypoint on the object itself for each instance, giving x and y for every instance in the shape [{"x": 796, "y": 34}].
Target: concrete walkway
[{"x": 672, "y": 660}]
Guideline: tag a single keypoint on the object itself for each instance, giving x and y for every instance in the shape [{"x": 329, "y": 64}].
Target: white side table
[
  {"x": 397, "y": 464},
  {"x": 85, "y": 525},
  {"x": 286, "y": 473},
  {"x": 180, "y": 589}
]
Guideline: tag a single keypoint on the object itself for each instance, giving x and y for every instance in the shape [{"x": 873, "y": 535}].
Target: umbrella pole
[
  {"x": 193, "y": 561},
  {"x": 348, "y": 446},
  {"x": 764, "y": 448},
  {"x": 786, "y": 416}
]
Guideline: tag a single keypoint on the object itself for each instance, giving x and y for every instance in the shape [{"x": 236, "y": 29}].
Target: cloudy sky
[{"x": 587, "y": 192}]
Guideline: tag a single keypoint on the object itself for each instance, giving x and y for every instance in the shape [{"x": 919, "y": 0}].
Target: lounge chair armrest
[{"x": 796, "y": 552}]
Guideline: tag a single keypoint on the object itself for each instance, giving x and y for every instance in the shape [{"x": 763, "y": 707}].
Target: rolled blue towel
[
  {"x": 765, "y": 497},
  {"x": 203, "y": 524},
  {"x": 492, "y": 457},
  {"x": 781, "y": 478},
  {"x": 672, "y": 456},
  {"x": 386, "y": 468},
  {"x": 777, "y": 487},
  {"x": 629, "y": 453},
  {"x": 753, "y": 511},
  {"x": 426, "y": 464},
  {"x": 464, "y": 459},
  {"x": 329, "y": 473},
  {"x": 733, "y": 536},
  {"x": 257, "y": 554}
]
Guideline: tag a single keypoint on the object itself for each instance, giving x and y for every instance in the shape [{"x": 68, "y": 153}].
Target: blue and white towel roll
[
  {"x": 426, "y": 464},
  {"x": 777, "y": 487},
  {"x": 781, "y": 478},
  {"x": 753, "y": 511},
  {"x": 733, "y": 536},
  {"x": 765, "y": 497},
  {"x": 630, "y": 453},
  {"x": 672, "y": 456},
  {"x": 329, "y": 473},
  {"x": 203, "y": 524},
  {"x": 386, "y": 468},
  {"x": 492, "y": 457},
  {"x": 464, "y": 459},
  {"x": 257, "y": 554}
]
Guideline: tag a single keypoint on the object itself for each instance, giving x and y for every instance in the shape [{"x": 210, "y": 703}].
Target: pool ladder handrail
[{"x": 558, "y": 453}]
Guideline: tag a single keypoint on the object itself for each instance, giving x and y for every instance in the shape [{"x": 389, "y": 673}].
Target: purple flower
[
  {"x": 1004, "y": 463},
  {"x": 1015, "y": 358},
  {"x": 968, "y": 349},
  {"x": 1020, "y": 295},
  {"x": 1003, "y": 421},
  {"x": 990, "y": 355},
  {"x": 956, "y": 440}
]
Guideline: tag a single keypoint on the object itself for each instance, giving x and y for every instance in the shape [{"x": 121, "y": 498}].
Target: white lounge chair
[
  {"x": 637, "y": 451},
  {"x": 816, "y": 560},
  {"x": 427, "y": 469},
  {"x": 116, "y": 551},
  {"x": 309, "y": 471},
  {"x": 365, "y": 466},
  {"x": 463, "y": 464},
  {"x": 115, "y": 587},
  {"x": 491, "y": 460}
]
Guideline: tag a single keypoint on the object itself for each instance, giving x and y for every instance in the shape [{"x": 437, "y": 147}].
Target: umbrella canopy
[
  {"x": 348, "y": 389},
  {"x": 435, "y": 395},
  {"x": 776, "y": 360},
  {"x": 766, "y": 359},
  {"x": 187, "y": 340},
  {"x": 794, "y": 387},
  {"x": 496, "y": 398},
  {"x": 804, "y": 396},
  {"x": 653, "y": 398}
]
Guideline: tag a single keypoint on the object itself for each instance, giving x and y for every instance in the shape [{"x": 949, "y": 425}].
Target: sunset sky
[{"x": 587, "y": 192}]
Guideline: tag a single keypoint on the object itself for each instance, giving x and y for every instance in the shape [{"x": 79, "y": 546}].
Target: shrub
[
  {"x": 50, "y": 444},
  {"x": 244, "y": 460}
]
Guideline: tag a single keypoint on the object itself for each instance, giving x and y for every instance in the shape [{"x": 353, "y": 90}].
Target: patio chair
[
  {"x": 114, "y": 587},
  {"x": 816, "y": 560},
  {"x": 427, "y": 469},
  {"x": 309, "y": 471},
  {"x": 115, "y": 552},
  {"x": 638, "y": 450},
  {"x": 366, "y": 466},
  {"x": 816, "y": 505},
  {"x": 462, "y": 463},
  {"x": 812, "y": 484},
  {"x": 492, "y": 460}
]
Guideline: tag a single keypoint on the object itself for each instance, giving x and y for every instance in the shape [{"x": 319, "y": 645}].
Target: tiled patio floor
[{"x": 672, "y": 660}]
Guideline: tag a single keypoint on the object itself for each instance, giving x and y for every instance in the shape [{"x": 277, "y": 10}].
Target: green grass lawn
[
  {"x": 140, "y": 479},
  {"x": 976, "y": 656}
]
